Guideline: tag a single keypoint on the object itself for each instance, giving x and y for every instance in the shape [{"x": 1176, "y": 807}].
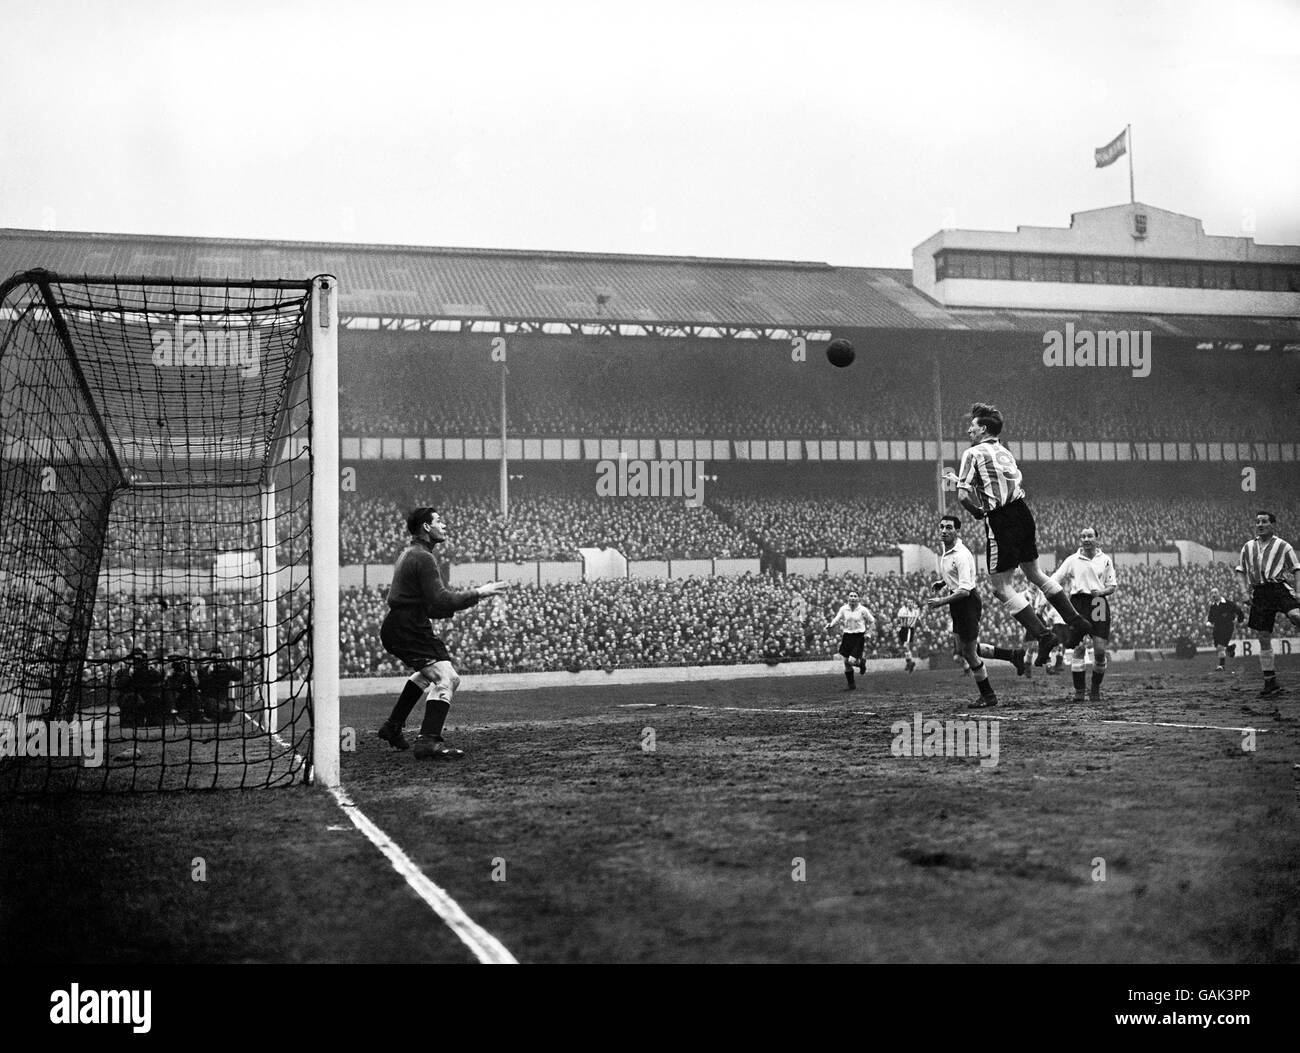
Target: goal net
[{"x": 169, "y": 551}]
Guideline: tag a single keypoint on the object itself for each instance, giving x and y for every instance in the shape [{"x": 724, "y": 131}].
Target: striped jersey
[
  {"x": 855, "y": 619},
  {"x": 1086, "y": 575},
  {"x": 1270, "y": 560},
  {"x": 957, "y": 567},
  {"x": 908, "y": 616},
  {"x": 991, "y": 473}
]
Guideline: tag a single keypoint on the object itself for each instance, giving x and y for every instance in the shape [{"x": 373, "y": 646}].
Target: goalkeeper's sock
[
  {"x": 435, "y": 715},
  {"x": 405, "y": 703}
]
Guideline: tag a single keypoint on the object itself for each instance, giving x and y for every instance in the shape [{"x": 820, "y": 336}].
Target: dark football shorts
[
  {"x": 1267, "y": 601},
  {"x": 966, "y": 617},
  {"x": 851, "y": 645},
  {"x": 906, "y": 634},
  {"x": 408, "y": 637},
  {"x": 1012, "y": 537},
  {"x": 1223, "y": 635},
  {"x": 1095, "y": 610}
]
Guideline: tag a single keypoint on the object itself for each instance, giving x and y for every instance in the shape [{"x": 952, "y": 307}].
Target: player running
[
  {"x": 1266, "y": 563},
  {"x": 856, "y": 619},
  {"x": 1222, "y": 619},
  {"x": 989, "y": 487},
  {"x": 1091, "y": 574},
  {"x": 958, "y": 592},
  {"x": 907, "y": 618}
]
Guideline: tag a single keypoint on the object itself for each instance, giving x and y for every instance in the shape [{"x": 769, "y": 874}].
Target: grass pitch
[{"x": 771, "y": 822}]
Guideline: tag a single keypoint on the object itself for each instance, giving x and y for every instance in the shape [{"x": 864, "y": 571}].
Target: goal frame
[{"x": 320, "y": 329}]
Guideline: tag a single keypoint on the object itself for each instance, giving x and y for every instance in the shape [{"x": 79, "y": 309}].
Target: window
[{"x": 1245, "y": 277}]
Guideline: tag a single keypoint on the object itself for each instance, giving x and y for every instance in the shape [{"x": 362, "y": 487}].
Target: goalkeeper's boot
[
  {"x": 427, "y": 748},
  {"x": 392, "y": 734}
]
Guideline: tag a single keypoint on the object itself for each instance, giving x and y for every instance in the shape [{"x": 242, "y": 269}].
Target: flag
[{"x": 1112, "y": 151}]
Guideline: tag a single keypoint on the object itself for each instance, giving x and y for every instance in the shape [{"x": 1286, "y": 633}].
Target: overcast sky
[{"x": 821, "y": 130}]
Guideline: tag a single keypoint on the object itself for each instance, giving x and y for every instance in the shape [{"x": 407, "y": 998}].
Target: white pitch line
[
  {"x": 484, "y": 946},
  {"x": 707, "y": 709},
  {"x": 1192, "y": 727}
]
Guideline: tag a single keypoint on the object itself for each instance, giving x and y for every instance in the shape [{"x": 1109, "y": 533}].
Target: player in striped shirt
[
  {"x": 988, "y": 486},
  {"x": 855, "y": 618},
  {"x": 907, "y": 618},
  {"x": 1091, "y": 574},
  {"x": 1267, "y": 562}
]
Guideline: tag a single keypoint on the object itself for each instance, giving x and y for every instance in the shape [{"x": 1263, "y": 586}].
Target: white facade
[{"x": 1133, "y": 232}]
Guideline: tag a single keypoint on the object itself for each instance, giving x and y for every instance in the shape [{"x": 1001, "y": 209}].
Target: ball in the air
[{"x": 840, "y": 352}]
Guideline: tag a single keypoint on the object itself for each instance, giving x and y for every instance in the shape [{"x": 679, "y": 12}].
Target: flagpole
[{"x": 1128, "y": 139}]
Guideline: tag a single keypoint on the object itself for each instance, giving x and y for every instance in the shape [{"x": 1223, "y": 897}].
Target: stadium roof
[{"x": 400, "y": 281}]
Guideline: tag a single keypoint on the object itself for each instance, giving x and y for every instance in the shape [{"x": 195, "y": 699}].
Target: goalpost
[{"x": 169, "y": 549}]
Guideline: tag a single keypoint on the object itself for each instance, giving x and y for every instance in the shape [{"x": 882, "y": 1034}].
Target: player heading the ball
[{"x": 989, "y": 487}]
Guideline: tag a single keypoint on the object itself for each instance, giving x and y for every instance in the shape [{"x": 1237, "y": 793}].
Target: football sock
[
  {"x": 982, "y": 679},
  {"x": 848, "y": 675},
  {"x": 1098, "y": 671},
  {"x": 1266, "y": 665},
  {"x": 435, "y": 715},
  {"x": 406, "y": 701},
  {"x": 1080, "y": 679},
  {"x": 1026, "y": 617}
]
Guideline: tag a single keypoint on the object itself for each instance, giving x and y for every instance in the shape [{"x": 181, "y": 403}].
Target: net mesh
[{"x": 155, "y": 486}]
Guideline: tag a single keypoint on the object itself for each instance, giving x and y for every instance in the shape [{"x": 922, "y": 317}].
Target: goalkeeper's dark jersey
[{"x": 418, "y": 587}]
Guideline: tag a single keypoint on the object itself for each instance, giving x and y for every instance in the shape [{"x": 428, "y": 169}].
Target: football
[{"x": 840, "y": 352}]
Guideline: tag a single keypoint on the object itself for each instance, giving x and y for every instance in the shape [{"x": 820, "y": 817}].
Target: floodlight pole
[
  {"x": 505, "y": 465},
  {"x": 324, "y": 389}
]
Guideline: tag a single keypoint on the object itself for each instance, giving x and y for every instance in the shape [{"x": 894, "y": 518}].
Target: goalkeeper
[{"x": 416, "y": 596}]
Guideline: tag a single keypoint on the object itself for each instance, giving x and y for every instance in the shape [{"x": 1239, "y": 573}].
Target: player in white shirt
[
  {"x": 907, "y": 619},
  {"x": 1267, "y": 562},
  {"x": 957, "y": 590},
  {"x": 1091, "y": 574},
  {"x": 856, "y": 619}
]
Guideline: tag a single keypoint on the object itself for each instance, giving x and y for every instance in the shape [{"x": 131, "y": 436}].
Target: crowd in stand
[
  {"x": 440, "y": 385},
  {"x": 747, "y": 619},
  {"x": 554, "y": 527}
]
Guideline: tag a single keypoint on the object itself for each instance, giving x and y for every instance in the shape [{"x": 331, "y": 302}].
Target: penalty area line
[
  {"x": 485, "y": 947},
  {"x": 1190, "y": 727},
  {"x": 709, "y": 709}
]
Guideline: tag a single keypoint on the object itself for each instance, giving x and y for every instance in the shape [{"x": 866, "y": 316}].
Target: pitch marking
[
  {"x": 707, "y": 709},
  {"x": 1193, "y": 727},
  {"x": 483, "y": 945}
]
